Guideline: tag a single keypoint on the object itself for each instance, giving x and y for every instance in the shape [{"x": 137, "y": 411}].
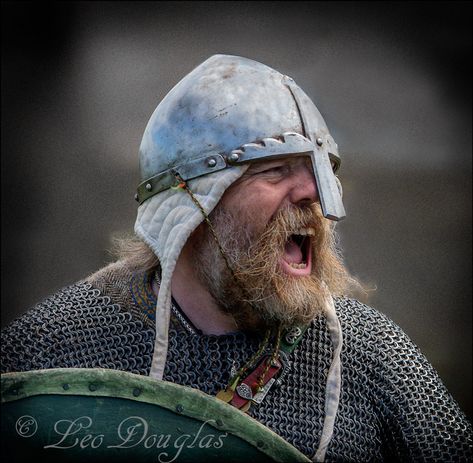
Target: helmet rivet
[
  {"x": 149, "y": 187},
  {"x": 233, "y": 157},
  {"x": 212, "y": 162},
  {"x": 136, "y": 197},
  {"x": 319, "y": 141}
]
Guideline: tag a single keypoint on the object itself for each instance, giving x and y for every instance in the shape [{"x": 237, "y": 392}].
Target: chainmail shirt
[{"x": 393, "y": 406}]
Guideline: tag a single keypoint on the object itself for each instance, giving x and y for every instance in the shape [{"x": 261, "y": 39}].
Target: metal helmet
[{"x": 230, "y": 111}]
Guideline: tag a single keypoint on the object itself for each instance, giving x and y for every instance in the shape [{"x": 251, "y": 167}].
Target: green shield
[{"x": 99, "y": 415}]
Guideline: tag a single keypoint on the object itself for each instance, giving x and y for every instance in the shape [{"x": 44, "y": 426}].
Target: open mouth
[{"x": 296, "y": 259}]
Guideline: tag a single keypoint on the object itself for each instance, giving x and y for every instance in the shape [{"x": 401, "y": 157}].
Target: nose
[{"x": 304, "y": 189}]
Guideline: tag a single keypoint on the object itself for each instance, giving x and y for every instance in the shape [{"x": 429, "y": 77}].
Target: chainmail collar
[
  {"x": 184, "y": 320},
  {"x": 176, "y": 310}
]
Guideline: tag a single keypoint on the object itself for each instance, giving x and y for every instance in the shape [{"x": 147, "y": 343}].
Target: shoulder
[
  {"x": 100, "y": 306},
  {"x": 128, "y": 286},
  {"x": 114, "y": 279},
  {"x": 372, "y": 335},
  {"x": 358, "y": 319},
  {"x": 377, "y": 346}
]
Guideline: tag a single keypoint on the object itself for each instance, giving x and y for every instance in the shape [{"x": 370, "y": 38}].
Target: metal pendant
[
  {"x": 244, "y": 391},
  {"x": 292, "y": 335},
  {"x": 259, "y": 396}
]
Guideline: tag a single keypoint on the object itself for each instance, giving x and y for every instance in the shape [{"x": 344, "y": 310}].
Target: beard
[{"x": 245, "y": 276}]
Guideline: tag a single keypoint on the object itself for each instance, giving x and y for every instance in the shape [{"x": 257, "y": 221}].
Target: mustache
[
  {"x": 260, "y": 256},
  {"x": 289, "y": 221}
]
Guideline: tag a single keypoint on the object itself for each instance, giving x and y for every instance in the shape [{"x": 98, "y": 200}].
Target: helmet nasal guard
[{"x": 231, "y": 111}]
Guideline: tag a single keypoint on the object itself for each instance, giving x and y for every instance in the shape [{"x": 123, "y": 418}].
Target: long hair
[{"x": 135, "y": 252}]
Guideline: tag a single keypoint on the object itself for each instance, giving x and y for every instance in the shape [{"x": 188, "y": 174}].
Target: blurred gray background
[{"x": 80, "y": 80}]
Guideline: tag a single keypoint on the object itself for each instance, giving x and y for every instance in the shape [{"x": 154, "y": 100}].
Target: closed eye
[{"x": 276, "y": 170}]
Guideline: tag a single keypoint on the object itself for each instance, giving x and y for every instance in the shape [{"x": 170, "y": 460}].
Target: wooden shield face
[{"x": 98, "y": 415}]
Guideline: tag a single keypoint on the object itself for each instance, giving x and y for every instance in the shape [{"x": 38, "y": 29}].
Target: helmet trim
[{"x": 289, "y": 143}]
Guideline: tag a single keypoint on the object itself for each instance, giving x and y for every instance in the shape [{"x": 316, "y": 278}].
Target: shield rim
[{"x": 183, "y": 400}]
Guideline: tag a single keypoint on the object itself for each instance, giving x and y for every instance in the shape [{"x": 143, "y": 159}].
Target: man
[{"x": 235, "y": 286}]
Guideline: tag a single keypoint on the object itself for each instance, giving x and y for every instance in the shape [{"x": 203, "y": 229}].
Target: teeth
[
  {"x": 299, "y": 266},
  {"x": 305, "y": 231}
]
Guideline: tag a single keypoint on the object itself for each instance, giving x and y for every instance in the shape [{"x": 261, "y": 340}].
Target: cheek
[
  {"x": 265, "y": 204},
  {"x": 258, "y": 208},
  {"x": 254, "y": 203}
]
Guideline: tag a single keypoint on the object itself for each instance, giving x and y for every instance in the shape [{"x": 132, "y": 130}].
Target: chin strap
[
  {"x": 182, "y": 184},
  {"x": 334, "y": 378}
]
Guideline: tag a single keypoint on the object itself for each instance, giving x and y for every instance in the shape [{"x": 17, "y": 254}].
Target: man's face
[
  {"x": 268, "y": 188},
  {"x": 277, "y": 243}
]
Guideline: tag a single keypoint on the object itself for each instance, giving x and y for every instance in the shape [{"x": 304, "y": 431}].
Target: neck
[{"x": 196, "y": 301}]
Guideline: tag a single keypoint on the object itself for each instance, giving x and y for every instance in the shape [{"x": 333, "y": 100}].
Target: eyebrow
[{"x": 269, "y": 164}]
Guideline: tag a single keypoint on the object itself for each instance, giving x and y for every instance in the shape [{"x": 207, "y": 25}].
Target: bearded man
[{"x": 235, "y": 286}]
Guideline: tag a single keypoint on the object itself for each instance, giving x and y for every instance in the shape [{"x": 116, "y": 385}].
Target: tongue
[{"x": 292, "y": 254}]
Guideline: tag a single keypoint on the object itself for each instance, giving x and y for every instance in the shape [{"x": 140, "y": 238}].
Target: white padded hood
[{"x": 165, "y": 222}]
